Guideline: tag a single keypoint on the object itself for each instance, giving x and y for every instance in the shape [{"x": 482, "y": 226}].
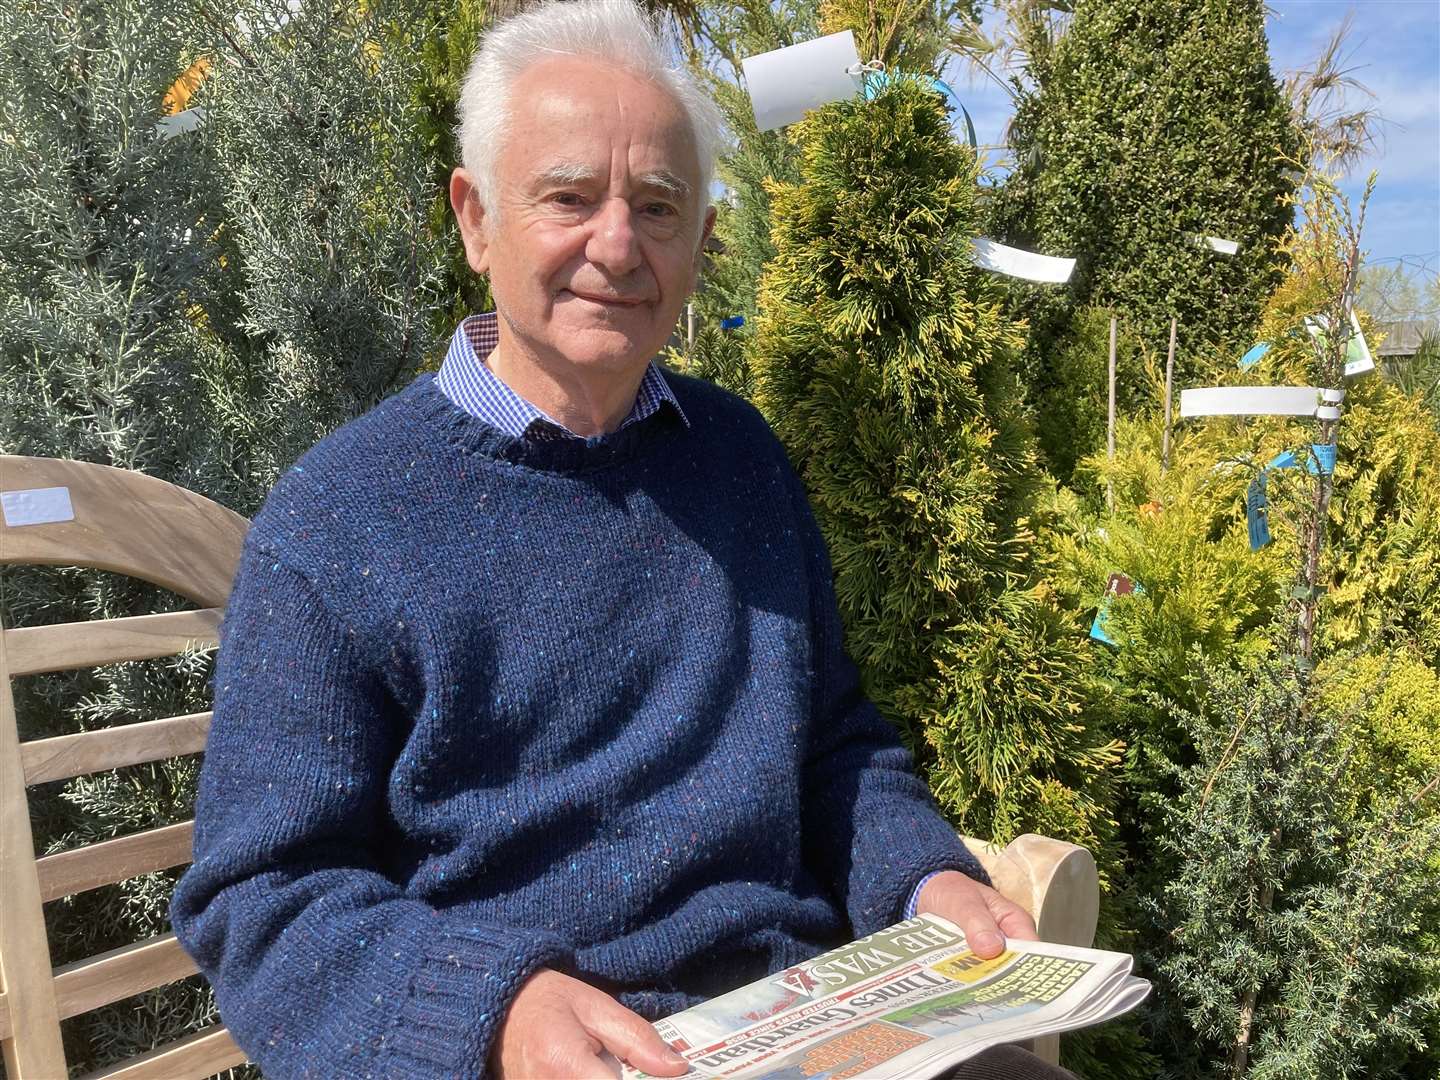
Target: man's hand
[
  {"x": 557, "y": 1027},
  {"x": 978, "y": 910}
]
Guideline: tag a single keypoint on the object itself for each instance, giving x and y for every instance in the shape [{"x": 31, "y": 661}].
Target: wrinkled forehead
[{"x": 583, "y": 120}]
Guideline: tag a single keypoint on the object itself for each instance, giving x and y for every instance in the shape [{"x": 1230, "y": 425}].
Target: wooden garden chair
[{"x": 134, "y": 524}]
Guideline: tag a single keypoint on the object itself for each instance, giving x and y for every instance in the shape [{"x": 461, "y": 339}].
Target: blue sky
[{"x": 1394, "y": 49}]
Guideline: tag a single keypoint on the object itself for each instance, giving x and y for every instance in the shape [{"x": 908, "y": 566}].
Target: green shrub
[
  {"x": 1148, "y": 121},
  {"x": 883, "y": 359},
  {"x": 1297, "y": 920}
]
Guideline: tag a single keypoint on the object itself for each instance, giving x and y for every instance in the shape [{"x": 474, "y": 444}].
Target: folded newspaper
[{"x": 908, "y": 1001}]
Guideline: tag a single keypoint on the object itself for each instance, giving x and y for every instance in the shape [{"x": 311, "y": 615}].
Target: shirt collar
[{"x": 466, "y": 380}]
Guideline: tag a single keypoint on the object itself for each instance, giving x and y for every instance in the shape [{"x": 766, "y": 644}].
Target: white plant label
[
  {"x": 180, "y": 123},
  {"x": 1250, "y": 401},
  {"x": 1021, "y": 264},
  {"x": 1217, "y": 243},
  {"x": 787, "y": 83},
  {"x": 36, "y": 506}
]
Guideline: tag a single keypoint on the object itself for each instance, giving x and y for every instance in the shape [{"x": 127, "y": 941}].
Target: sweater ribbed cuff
[
  {"x": 906, "y": 878},
  {"x": 464, "y": 983}
]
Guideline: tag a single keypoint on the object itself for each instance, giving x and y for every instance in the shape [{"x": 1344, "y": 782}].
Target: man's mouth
[{"x": 609, "y": 301}]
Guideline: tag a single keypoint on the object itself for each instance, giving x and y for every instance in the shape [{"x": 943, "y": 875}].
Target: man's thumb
[{"x": 626, "y": 1035}]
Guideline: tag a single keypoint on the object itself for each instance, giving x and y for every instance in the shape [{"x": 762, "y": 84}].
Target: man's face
[{"x": 595, "y": 239}]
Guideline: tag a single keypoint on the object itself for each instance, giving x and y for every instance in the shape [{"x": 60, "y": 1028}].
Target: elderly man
[{"x": 532, "y": 720}]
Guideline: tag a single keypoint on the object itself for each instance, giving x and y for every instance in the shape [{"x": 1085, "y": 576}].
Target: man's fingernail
[
  {"x": 672, "y": 1058},
  {"x": 988, "y": 942}
]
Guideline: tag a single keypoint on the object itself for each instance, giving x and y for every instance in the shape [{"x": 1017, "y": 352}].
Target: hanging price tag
[
  {"x": 1283, "y": 461},
  {"x": 1357, "y": 351},
  {"x": 1115, "y": 585},
  {"x": 1021, "y": 264},
  {"x": 1319, "y": 459},
  {"x": 1322, "y": 459},
  {"x": 1250, "y": 401},
  {"x": 167, "y": 127},
  {"x": 1216, "y": 243},
  {"x": 1254, "y": 356},
  {"x": 1256, "y": 506},
  {"x": 787, "y": 83}
]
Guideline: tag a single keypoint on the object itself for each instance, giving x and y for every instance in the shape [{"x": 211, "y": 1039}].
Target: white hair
[{"x": 614, "y": 31}]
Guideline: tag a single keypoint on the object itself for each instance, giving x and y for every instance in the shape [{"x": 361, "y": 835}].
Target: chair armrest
[
  {"x": 1054, "y": 881},
  {"x": 1057, "y": 884}
]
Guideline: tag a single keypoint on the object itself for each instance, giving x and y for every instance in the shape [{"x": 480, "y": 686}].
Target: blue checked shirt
[{"x": 466, "y": 380}]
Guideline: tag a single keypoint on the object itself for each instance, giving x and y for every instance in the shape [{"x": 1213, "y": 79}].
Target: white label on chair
[
  {"x": 786, "y": 83},
  {"x": 36, "y": 506},
  {"x": 1021, "y": 264},
  {"x": 1250, "y": 401}
]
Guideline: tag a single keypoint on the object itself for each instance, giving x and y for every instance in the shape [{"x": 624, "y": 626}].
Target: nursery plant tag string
[
  {"x": 874, "y": 76},
  {"x": 863, "y": 68},
  {"x": 1319, "y": 461}
]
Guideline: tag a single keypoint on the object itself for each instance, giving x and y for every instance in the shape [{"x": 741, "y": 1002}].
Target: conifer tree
[
  {"x": 883, "y": 360},
  {"x": 1149, "y": 123},
  {"x": 1298, "y": 919},
  {"x": 332, "y": 281},
  {"x": 1295, "y": 935},
  {"x": 1211, "y": 603},
  {"x": 200, "y": 305},
  {"x": 732, "y": 31},
  {"x": 104, "y": 244}
]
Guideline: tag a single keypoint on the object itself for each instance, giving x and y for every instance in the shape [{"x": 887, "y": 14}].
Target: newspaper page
[{"x": 907, "y": 1001}]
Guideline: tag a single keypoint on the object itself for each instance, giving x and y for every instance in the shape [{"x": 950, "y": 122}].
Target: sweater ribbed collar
[{"x": 471, "y": 435}]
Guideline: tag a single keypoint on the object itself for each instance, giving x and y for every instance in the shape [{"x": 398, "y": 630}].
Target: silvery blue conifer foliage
[{"x": 198, "y": 298}]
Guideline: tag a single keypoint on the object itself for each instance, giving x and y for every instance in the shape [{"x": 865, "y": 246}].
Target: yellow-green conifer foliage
[
  {"x": 1395, "y": 699},
  {"x": 1382, "y": 548},
  {"x": 1210, "y": 603},
  {"x": 883, "y": 359}
]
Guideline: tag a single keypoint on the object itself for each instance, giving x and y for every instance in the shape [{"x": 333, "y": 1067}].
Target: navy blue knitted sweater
[{"x": 483, "y": 705}]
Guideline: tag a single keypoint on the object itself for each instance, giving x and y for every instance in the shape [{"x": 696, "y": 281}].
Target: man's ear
[
  {"x": 705, "y": 230},
  {"x": 465, "y": 201}
]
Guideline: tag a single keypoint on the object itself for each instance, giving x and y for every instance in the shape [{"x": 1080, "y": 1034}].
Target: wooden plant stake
[
  {"x": 1110, "y": 431},
  {"x": 1169, "y": 397}
]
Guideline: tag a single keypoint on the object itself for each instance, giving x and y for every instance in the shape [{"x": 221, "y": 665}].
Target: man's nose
[{"x": 613, "y": 244}]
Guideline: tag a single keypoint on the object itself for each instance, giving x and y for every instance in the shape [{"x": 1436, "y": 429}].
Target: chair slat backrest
[{"x": 128, "y": 523}]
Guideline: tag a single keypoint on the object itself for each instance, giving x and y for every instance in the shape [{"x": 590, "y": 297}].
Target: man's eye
[
  {"x": 659, "y": 209},
  {"x": 567, "y": 198}
]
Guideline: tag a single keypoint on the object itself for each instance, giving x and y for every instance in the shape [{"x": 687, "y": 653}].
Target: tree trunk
[{"x": 501, "y": 10}]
